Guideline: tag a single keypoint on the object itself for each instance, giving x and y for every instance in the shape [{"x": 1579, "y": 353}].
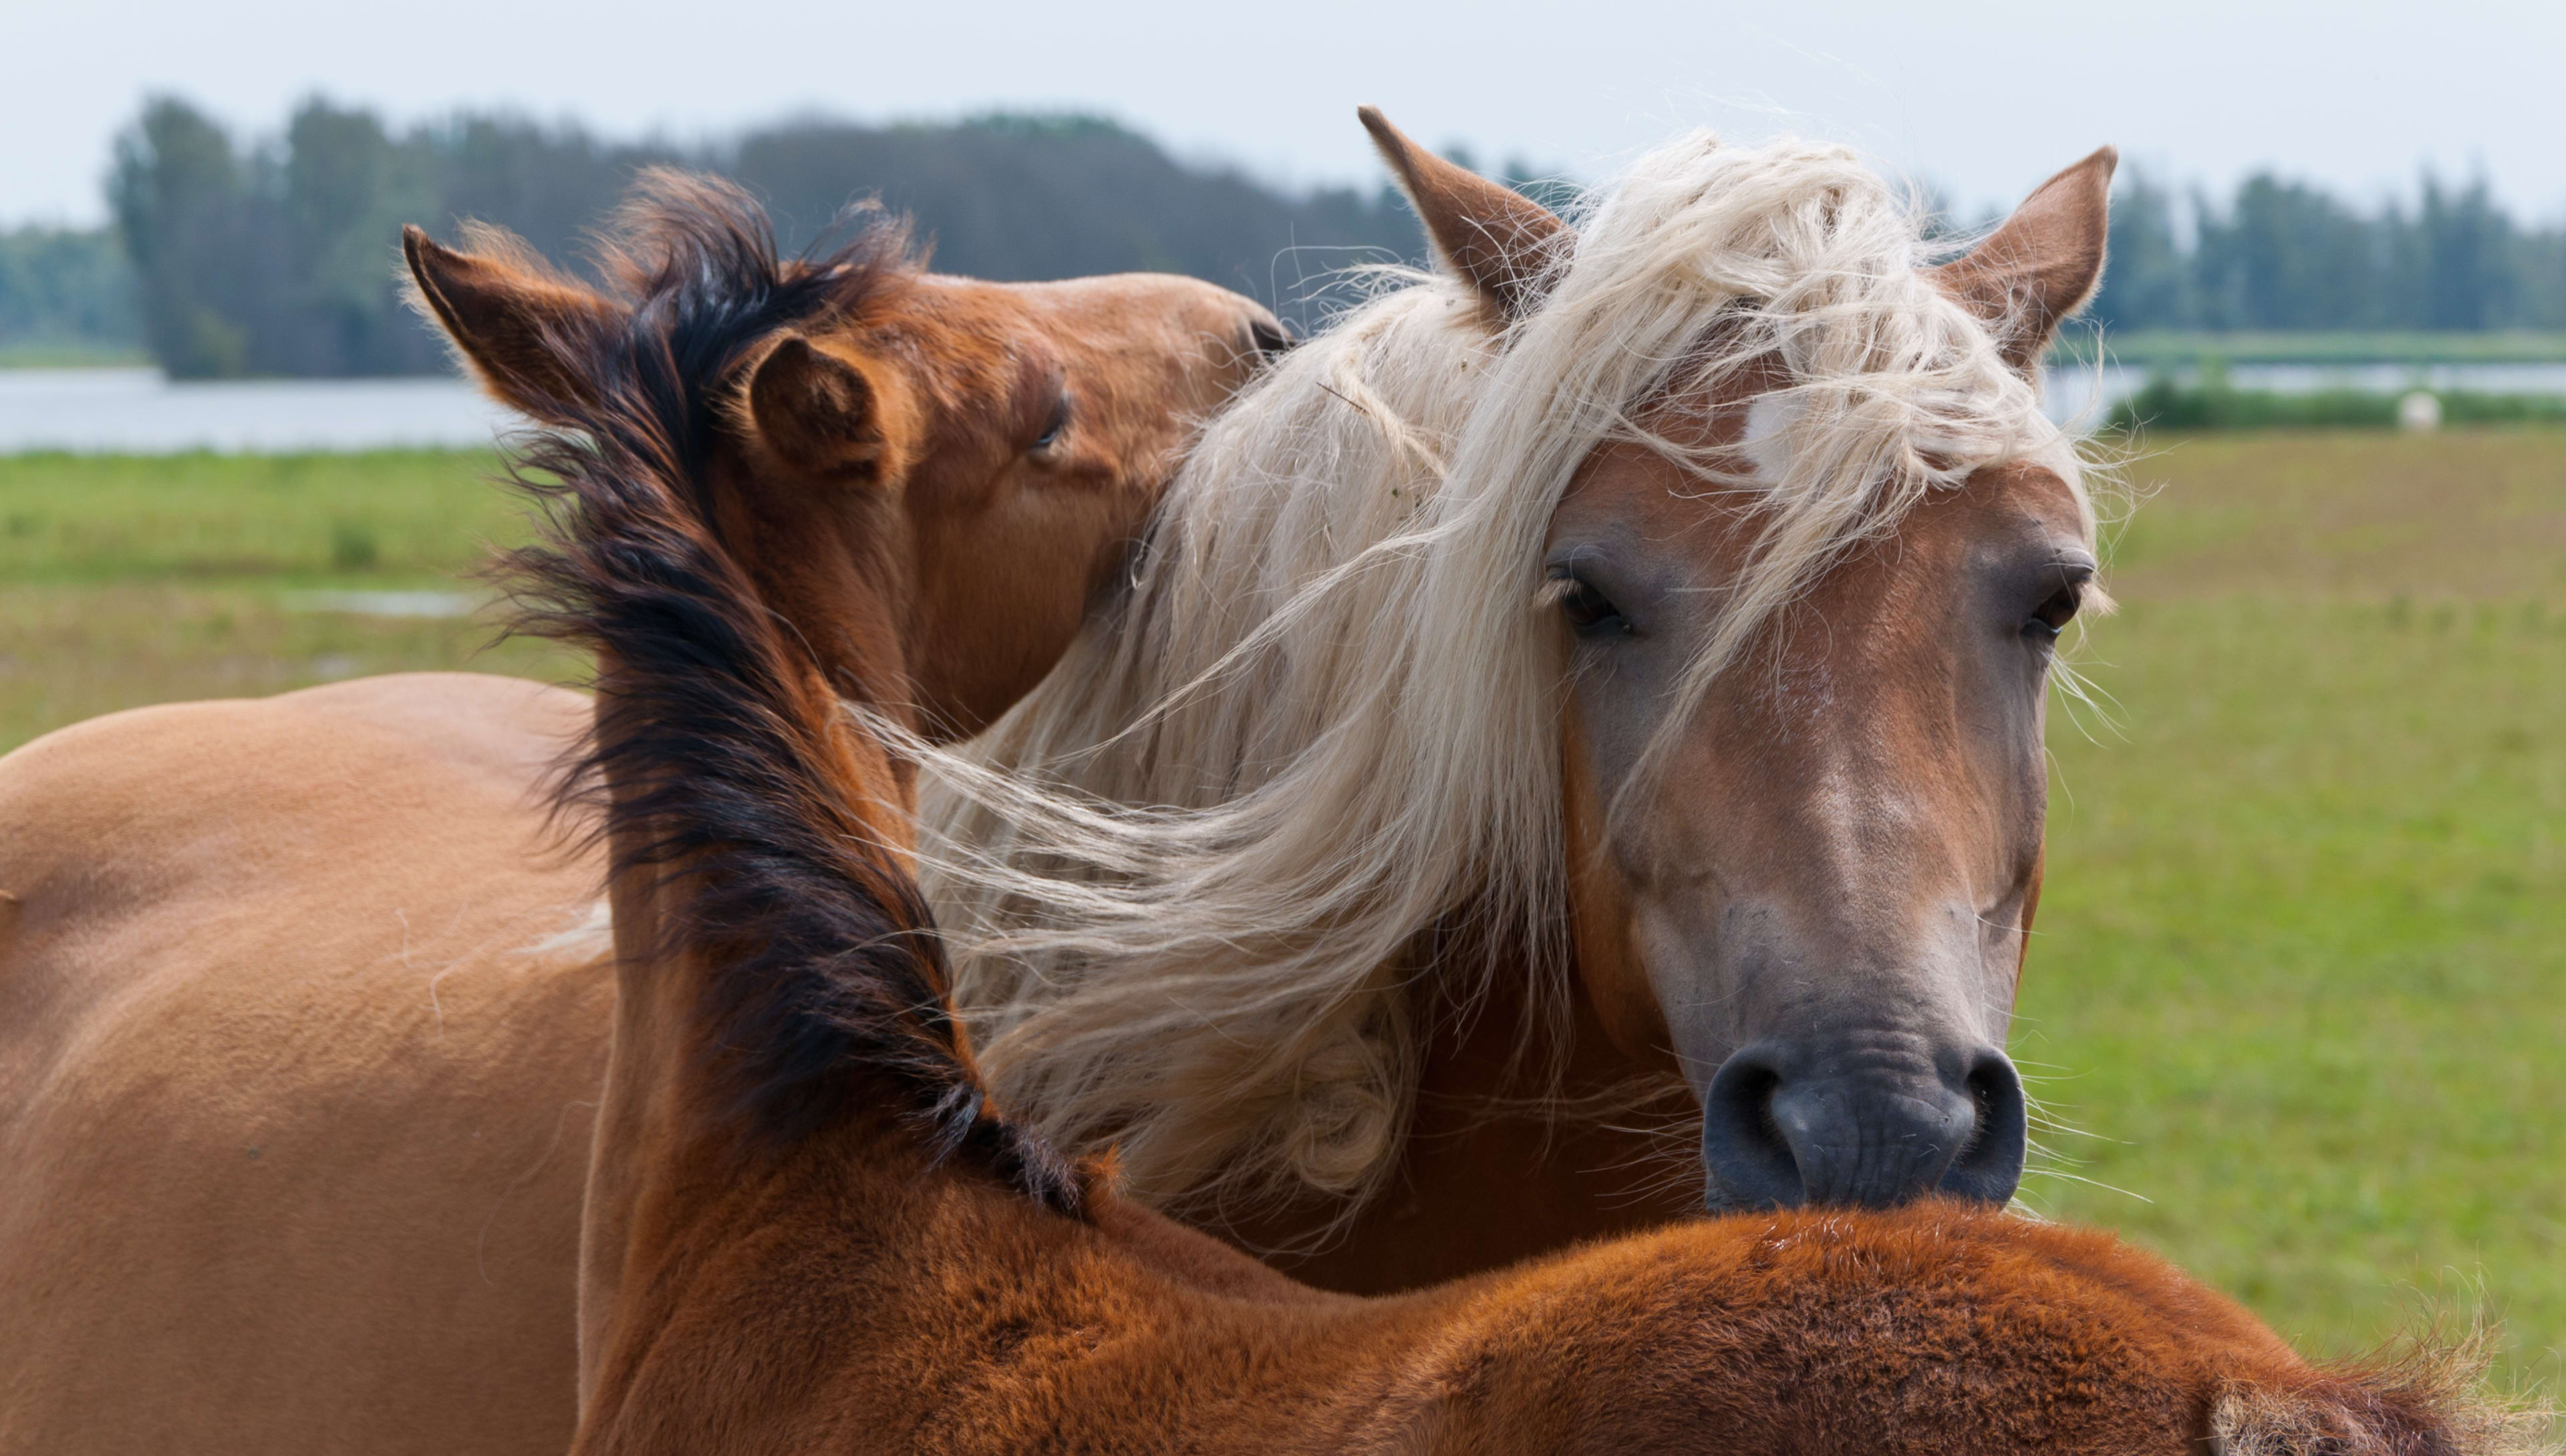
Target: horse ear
[
  {"x": 1503, "y": 242},
  {"x": 820, "y": 413},
  {"x": 519, "y": 326},
  {"x": 2042, "y": 265}
]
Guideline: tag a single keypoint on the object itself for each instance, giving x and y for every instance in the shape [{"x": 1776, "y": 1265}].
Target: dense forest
[{"x": 277, "y": 256}]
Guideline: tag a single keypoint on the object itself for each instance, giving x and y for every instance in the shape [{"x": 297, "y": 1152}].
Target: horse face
[
  {"x": 1026, "y": 431},
  {"x": 981, "y": 453},
  {"x": 1818, "y": 892},
  {"x": 1813, "y": 891}
]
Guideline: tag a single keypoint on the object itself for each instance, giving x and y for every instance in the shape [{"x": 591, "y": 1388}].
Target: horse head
[
  {"x": 993, "y": 446},
  {"x": 1806, "y": 878}
]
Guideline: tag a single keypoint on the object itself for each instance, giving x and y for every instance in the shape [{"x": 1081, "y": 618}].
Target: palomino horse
[
  {"x": 1617, "y": 662},
  {"x": 294, "y": 1101},
  {"x": 830, "y": 1239}
]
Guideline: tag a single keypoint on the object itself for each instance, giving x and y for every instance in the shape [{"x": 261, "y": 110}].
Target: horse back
[{"x": 290, "y": 1081}]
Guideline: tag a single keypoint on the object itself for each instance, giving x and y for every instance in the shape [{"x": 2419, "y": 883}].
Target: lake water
[
  {"x": 135, "y": 411},
  {"x": 2081, "y": 395}
]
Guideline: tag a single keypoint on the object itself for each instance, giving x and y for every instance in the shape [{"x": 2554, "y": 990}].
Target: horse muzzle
[{"x": 1783, "y": 1127}]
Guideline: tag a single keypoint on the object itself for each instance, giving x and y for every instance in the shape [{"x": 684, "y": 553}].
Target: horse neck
[
  {"x": 660, "y": 1124},
  {"x": 1523, "y": 1103},
  {"x": 1525, "y": 1087},
  {"x": 756, "y": 1292},
  {"x": 684, "y": 1231}
]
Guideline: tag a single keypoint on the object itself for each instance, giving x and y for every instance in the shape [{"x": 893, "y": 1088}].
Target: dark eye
[
  {"x": 1590, "y": 612},
  {"x": 1052, "y": 433},
  {"x": 2052, "y": 615}
]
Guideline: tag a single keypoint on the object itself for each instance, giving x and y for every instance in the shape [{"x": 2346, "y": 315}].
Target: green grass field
[
  {"x": 2300, "y": 973},
  {"x": 2299, "y": 986},
  {"x": 135, "y": 581}
]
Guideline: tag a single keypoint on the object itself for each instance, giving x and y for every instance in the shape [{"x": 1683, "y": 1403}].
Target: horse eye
[
  {"x": 2051, "y": 617},
  {"x": 1052, "y": 433},
  {"x": 1590, "y": 612}
]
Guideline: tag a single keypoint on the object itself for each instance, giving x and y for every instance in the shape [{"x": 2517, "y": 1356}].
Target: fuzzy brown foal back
[{"x": 830, "y": 1241}]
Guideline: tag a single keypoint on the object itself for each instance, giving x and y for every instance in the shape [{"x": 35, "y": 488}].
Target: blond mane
[{"x": 1189, "y": 876}]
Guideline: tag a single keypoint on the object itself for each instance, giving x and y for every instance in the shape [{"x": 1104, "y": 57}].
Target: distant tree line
[
  {"x": 278, "y": 256},
  {"x": 2283, "y": 255},
  {"x": 281, "y": 257}
]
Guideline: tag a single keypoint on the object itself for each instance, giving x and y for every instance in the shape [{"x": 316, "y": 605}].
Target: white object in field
[{"x": 2418, "y": 413}]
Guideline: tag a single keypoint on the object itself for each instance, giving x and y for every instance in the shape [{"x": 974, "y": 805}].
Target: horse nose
[
  {"x": 1269, "y": 337},
  {"x": 1873, "y": 1137}
]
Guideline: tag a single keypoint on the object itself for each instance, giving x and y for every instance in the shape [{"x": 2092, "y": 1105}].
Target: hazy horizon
[{"x": 2356, "y": 97}]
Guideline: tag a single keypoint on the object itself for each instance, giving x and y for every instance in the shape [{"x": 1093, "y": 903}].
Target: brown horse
[
  {"x": 296, "y": 1080},
  {"x": 402, "y": 967},
  {"x": 826, "y": 1237},
  {"x": 1590, "y": 695}
]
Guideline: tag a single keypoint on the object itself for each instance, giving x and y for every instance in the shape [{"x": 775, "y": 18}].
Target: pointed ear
[
  {"x": 824, "y": 414},
  {"x": 2042, "y": 265},
  {"x": 1501, "y": 240},
  {"x": 520, "y": 326}
]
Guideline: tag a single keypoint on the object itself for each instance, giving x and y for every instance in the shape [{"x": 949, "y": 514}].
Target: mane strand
[{"x": 826, "y": 980}]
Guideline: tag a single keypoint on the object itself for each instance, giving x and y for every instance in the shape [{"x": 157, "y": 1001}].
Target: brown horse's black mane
[{"x": 826, "y": 980}]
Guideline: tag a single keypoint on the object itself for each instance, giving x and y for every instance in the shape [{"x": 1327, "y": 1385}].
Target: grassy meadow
[
  {"x": 2298, "y": 994},
  {"x": 132, "y": 581},
  {"x": 2299, "y": 978}
]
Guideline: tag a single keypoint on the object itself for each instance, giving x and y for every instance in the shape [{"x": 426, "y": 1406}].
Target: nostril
[
  {"x": 1754, "y": 1098},
  {"x": 1269, "y": 341},
  {"x": 1986, "y": 1091},
  {"x": 1989, "y": 1168},
  {"x": 1745, "y": 1149}
]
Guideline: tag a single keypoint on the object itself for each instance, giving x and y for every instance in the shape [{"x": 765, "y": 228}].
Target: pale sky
[{"x": 1983, "y": 98}]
